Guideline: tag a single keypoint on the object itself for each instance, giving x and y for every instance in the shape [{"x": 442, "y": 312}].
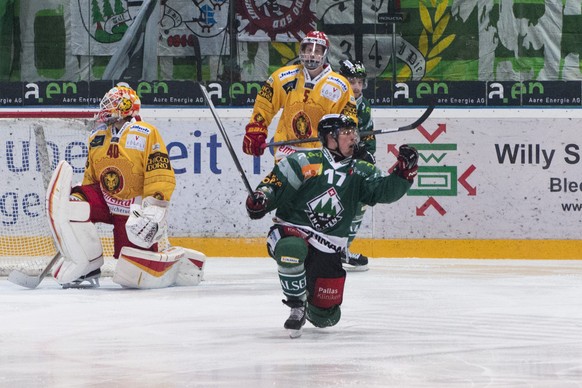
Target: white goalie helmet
[
  {"x": 118, "y": 103},
  {"x": 313, "y": 50}
]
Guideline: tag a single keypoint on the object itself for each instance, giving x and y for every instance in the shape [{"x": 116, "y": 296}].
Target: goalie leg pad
[
  {"x": 66, "y": 269},
  {"x": 137, "y": 268},
  {"x": 191, "y": 268},
  {"x": 75, "y": 236}
]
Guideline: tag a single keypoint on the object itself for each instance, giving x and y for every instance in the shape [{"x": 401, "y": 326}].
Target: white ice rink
[{"x": 405, "y": 323}]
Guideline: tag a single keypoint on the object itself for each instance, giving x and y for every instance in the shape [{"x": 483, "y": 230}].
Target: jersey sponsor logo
[
  {"x": 140, "y": 129},
  {"x": 331, "y": 92},
  {"x": 339, "y": 81},
  {"x": 324, "y": 242},
  {"x": 97, "y": 141},
  {"x": 286, "y": 150},
  {"x": 158, "y": 161},
  {"x": 289, "y": 260},
  {"x": 266, "y": 92},
  {"x": 301, "y": 125},
  {"x": 289, "y": 86},
  {"x": 324, "y": 211},
  {"x": 118, "y": 206},
  {"x": 312, "y": 170},
  {"x": 288, "y": 73},
  {"x": 135, "y": 142},
  {"x": 111, "y": 180},
  {"x": 350, "y": 110},
  {"x": 272, "y": 179}
]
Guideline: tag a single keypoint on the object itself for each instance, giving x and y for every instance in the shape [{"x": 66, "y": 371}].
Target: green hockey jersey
[
  {"x": 365, "y": 123},
  {"x": 311, "y": 191}
]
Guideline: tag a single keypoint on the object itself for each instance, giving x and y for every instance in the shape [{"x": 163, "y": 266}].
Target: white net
[{"x": 31, "y": 151}]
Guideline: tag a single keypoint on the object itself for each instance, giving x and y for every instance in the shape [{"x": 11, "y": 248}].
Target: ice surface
[{"x": 405, "y": 323}]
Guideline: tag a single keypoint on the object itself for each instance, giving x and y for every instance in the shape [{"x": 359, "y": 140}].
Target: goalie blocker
[{"x": 77, "y": 240}]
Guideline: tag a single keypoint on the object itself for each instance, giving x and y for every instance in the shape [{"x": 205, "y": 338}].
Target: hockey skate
[
  {"x": 355, "y": 262},
  {"x": 294, "y": 324},
  {"x": 92, "y": 279}
]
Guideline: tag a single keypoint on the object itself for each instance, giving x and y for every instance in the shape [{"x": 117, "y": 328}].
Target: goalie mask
[
  {"x": 118, "y": 103},
  {"x": 334, "y": 124},
  {"x": 313, "y": 50}
]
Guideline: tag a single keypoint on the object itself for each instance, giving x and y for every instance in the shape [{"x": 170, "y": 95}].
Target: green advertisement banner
[{"x": 486, "y": 46}]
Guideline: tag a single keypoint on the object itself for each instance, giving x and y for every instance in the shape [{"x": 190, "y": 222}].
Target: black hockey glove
[
  {"x": 407, "y": 165},
  {"x": 257, "y": 205},
  {"x": 361, "y": 153}
]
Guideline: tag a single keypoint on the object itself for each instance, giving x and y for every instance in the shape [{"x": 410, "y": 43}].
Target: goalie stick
[
  {"x": 32, "y": 281},
  {"x": 407, "y": 127},
  {"x": 226, "y": 140}
]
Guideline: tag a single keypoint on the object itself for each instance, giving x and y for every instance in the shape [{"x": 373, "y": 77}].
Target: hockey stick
[
  {"x": 31, "y": 281},
  {"x": 226, "y": 140},
  {"x": 408, "y": 127}
]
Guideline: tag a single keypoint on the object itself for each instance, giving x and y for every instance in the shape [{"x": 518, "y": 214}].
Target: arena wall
[{"x": 492, "y": 183}]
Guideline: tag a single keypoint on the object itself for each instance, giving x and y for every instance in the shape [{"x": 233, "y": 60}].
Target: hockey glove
[
  {"x": 361, "y": 153},
  {"x": 146, "y": 224},
  {"x": 257, "y": 205},
  {"x": 255, "y": 138},
  {"x": 407, "y": 162}
]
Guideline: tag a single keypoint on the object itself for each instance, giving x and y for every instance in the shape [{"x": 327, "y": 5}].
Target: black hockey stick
[
  {"x": 31, "y": 281},
  {"x": 226, "y": 140},
  {"x": 408, "y": 127}
]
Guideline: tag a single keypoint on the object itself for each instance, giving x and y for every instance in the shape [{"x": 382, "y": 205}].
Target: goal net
[{"x": 31, "y": 150}]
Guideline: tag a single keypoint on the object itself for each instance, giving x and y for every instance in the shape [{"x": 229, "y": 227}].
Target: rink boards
[{"x": 491, "y": 183}]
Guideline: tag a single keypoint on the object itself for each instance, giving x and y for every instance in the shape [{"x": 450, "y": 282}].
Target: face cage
[
  {"x": 110, "y": 112},
  {"x": 309, "y": 59}
]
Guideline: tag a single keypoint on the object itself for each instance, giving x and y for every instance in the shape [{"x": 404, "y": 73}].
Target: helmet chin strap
[{"x": 337, "y": 155}]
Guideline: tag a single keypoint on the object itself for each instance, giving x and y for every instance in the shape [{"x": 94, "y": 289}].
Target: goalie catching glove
[
  {"x": 257, "y": 205},
  {"x": 255, "y": 139},
  {"x": 407, "y": 164},
  {"x": 147, "y": 224}
]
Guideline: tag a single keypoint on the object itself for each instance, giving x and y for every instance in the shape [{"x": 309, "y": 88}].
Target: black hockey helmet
[
  {"x": 332, "y": 124},
  {"x": 352, "y": 69}
]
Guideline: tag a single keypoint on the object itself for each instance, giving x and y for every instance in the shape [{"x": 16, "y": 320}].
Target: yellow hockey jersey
[
  {"x": 304, "y": 101},
  {"x": 129, "y": 165}
]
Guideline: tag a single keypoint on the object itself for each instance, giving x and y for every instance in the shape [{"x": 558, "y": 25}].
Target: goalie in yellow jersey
[
  {"x": 128, "y": 183},
  {"x": 306, "y": 92}
]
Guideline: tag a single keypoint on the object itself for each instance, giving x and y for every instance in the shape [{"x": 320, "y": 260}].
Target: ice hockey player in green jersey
[
  {"x": 355, "y": 73},
  {"x": 316, "y": 194}
]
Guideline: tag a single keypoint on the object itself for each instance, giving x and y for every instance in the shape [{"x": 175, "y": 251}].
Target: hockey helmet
[
  {"x": 118, "y": 103},
  {"x": 307, "y": 55},
  {"x": 354, "y": 69},
  {"x": 333, "y": 124},
  {"x": 351, "y": 69}
]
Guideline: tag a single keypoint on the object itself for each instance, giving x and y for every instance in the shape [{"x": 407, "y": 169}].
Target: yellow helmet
[{"x": 118, "y": 103}]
